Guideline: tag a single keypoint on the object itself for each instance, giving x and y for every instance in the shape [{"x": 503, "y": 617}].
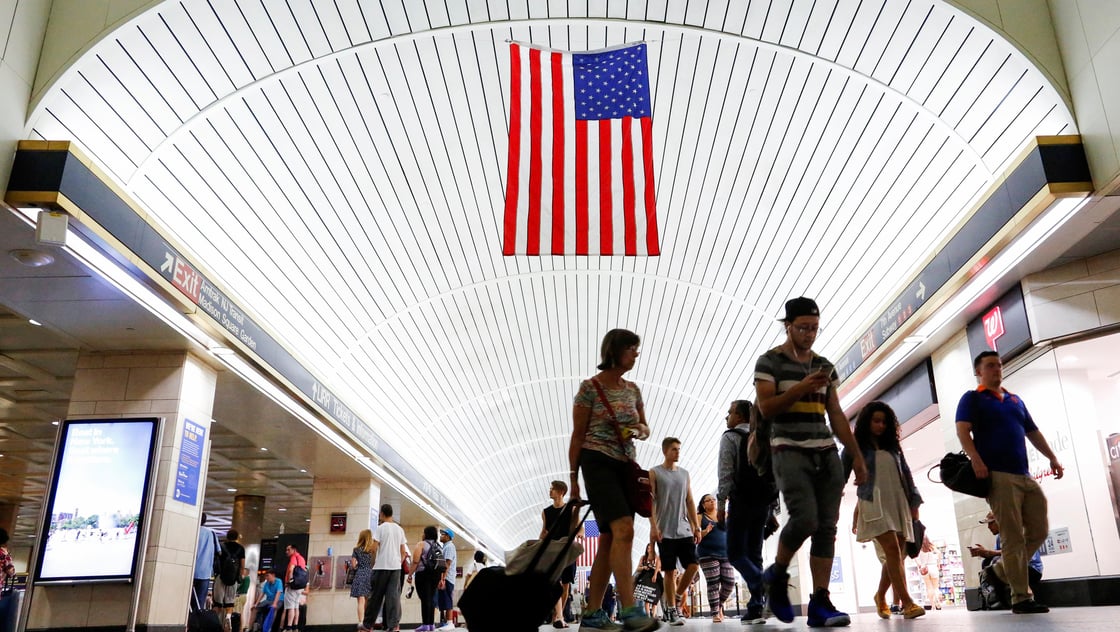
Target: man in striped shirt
[{"x": 795, "y": 389}]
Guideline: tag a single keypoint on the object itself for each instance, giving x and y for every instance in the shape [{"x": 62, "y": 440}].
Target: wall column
[
  {"x": 359, "y": 500},
  {"x": 177, "y": 386}
]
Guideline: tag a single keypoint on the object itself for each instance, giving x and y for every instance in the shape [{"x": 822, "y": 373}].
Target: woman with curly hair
[{"x": 888, "y": 501}]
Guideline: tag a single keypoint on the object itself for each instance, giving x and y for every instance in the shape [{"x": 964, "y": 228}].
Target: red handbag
[{"x": 636, "y": 484}]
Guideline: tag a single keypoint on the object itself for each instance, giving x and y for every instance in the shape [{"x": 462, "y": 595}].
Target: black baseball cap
[{"x": 800, "y": 306}]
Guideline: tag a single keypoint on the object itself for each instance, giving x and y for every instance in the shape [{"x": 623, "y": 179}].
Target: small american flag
[
  {"x": 580, "y": 177},
  {"x": 590, "y": 543}
]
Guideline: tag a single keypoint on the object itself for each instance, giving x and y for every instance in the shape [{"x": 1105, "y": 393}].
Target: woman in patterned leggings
[{"x": 719, "y": 575}]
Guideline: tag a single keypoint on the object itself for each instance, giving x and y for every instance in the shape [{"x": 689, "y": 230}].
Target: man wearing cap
[
  {"x": 993, "y": 426},
  {"x": 795, "y": 389},
  {"x": 993, "y": 560},
  {"x": 445, "y": 597}
]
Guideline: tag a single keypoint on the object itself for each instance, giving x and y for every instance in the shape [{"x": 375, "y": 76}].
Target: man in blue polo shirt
[{"x": 993, "y": 426}]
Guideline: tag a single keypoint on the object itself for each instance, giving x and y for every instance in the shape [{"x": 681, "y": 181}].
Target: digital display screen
[{"x": 97, "y": 501}]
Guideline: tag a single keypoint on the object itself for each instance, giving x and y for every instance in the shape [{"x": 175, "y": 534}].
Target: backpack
[
  {"x": 433, "y": 557},
  {"x": 758, "y": 447},
  {"x": 751, "y": 483},
  {"x": 228, "y": 567},
  {"x": 299, "y": 578}
]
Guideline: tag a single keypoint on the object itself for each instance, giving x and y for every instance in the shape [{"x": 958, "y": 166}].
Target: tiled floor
[{"x": 1097, "y": 619}]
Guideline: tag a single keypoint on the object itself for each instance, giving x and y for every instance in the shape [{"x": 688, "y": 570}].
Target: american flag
[
  {"x": 590, "y": 543},
  {"x": 580, "y": 178}
]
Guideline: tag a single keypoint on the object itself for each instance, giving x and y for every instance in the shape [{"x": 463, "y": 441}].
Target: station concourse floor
[{"x": 1087, "y": 619}]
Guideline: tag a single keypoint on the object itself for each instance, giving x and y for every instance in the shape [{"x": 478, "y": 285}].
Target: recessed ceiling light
[
  {"x": 34, "y": 322},
  {"x": 231, "y": 489},
  {"x": 307, "y": 519},
  {"x": 54, "y": 423},
  {"x": 31, "y": 258},
  {"x": 264, "y": 449},
  {"x": 303, "y": 471},
  {"x": 281, "y": 509}
]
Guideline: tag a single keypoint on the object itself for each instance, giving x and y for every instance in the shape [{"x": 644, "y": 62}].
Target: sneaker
[
  {"x": 447, "y": 626},
  {"x": 1029, "y": 606},
  {"x": 635, "y": 619},
  {"x": 777, "y": 593},
  {"x": 597, "y": 620},
  {"x": 675, "y": 617},
  {"x": 823, "y": 614},
  {"x": 754, "y": 615}
]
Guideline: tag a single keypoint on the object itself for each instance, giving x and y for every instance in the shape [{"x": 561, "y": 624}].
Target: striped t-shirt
[{"x": 803, "y": 424}]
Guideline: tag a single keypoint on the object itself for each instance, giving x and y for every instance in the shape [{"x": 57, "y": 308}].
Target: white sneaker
[{"x": 447, "y": 626}]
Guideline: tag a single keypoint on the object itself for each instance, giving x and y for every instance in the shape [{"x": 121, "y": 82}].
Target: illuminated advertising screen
[{"x": 97, "y": 502}]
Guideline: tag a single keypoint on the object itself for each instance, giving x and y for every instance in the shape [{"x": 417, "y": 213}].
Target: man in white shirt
[{"x": 389, "y": 547}]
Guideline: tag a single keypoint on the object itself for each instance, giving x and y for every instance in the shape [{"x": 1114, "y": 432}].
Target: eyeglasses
[{"x": 808, "y": 329}]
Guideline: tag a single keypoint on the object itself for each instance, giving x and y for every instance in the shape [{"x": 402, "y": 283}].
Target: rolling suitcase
[
  {"x": 522, "y": 594},
  {"x": 199, "y": 620}
]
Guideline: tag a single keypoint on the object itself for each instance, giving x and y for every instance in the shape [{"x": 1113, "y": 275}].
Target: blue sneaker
[
  {"x": 777, "y": 593},
  {"x": 822, "y": 614},
  {"x": 635, "y": 619},
  {"x": 598, "y": 620}
]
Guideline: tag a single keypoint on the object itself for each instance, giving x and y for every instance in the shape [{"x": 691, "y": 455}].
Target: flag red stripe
[
  {"x": 582, "y": 232},
  {"x": 652, "y": 248},
  {"x": 533, "y": 237},
  {"x": 514, "y": 164},
  {"x": 629, "y": 220},
  {"x": 606, "y": 238},
  {"x": 557, "y": 155}
]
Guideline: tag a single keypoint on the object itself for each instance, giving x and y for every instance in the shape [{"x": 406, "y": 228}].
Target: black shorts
[
  {"x": 674, "y": 550},
  {"x": 568, "y": 575},
  {"x": 603, "y": 487}
]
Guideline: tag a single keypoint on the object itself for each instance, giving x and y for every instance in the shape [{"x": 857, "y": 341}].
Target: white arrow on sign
[
  {"x": 921, "y": 293},
  {"x": 168, "y": 262}
]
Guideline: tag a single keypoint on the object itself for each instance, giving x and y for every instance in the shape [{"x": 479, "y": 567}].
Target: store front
[{"x": 1073, "y": 392}]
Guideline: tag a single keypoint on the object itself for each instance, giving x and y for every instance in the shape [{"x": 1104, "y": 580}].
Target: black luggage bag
[
  {"x": 199, "y": 620},
  {"x": 499, "y": 601}
]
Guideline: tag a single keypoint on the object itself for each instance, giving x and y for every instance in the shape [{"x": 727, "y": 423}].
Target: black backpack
[
  {"x": 228, "y": 566},
  {"x": 433, "y": 557},
  {"x": 752, "y": 482}
]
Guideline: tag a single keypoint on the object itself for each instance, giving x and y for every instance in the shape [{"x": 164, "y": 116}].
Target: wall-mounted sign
[
  {"x": 338, "y": 523},
  {"x": 993, "y": 326},
  {"x": 1003, "y": 327},
  {"x": 1057, "y": 542},
  {"x": 190, "y": 462}
]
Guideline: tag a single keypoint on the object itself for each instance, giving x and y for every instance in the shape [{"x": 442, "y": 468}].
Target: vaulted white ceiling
[{"x": 339, "y": 167}]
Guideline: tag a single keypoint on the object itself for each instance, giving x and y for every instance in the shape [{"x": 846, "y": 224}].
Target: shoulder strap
[{"x": 610, "y": 411}]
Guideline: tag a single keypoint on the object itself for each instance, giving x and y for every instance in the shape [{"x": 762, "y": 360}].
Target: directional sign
[{"x": 102, "y": 205}]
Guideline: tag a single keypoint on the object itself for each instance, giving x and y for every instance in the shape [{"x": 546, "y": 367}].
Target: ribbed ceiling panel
[{"x": 339, "y": 166}]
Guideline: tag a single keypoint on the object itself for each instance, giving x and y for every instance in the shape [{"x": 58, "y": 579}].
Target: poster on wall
[
  {"x": 97, "y": 503},
  {"x": 1112, "y": 455}
]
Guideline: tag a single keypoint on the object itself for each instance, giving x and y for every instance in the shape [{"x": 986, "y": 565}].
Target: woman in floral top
[{"x": 595, "y": 447}]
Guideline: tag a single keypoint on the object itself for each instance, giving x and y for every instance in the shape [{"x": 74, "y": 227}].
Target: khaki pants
[{"x": 1020, "y": 508}]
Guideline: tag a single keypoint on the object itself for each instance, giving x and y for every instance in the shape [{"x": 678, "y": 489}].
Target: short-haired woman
[{"x": 608, "y": 414}]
